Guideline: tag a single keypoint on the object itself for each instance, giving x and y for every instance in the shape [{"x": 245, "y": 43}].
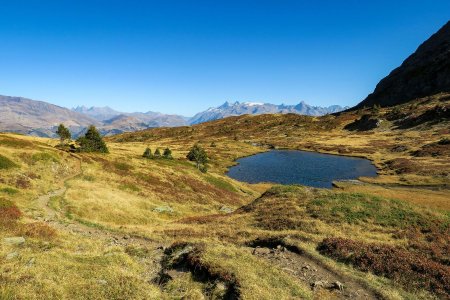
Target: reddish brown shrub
[
  {"x": 404, "y": 267},
  {"x": 8, "y": 212},
  {"x": 403, "y": 165},
  {"x": 438, "y": 149},
  {"x": 23, "y": 183},
  {"x": 38, "y": 230}
]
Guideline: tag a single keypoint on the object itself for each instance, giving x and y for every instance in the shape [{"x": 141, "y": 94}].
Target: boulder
[
  {"x": 14, "y": 241},
  {"x": 319, "y": 284},
  {"x": 261, "y": 251},
  {"x": 337, "y": 285},
  {"x": 12, "y": 255}
]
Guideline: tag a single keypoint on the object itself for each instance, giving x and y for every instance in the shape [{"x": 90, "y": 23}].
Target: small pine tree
[
  {"x": 147, "y": 153},
  {"x": 157, "y": 153},
  {"x": 63, "y": 133},
  {"x": 199, "y": 156},
  {"x": 92, "y": 141},
  {"x": 167, "y": 153}
]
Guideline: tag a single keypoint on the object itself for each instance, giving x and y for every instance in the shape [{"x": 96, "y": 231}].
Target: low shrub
[
  {"x": 437, "y": 149},
  {"x": 23, "y": 183},
  {"x": 411, "y": 270}
]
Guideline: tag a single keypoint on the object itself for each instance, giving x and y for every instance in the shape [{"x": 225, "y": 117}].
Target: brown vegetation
[{"x": 406, "y": 268}]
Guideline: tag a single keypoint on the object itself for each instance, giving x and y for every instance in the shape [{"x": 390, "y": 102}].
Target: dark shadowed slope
[{"x": 426, "y": 72}]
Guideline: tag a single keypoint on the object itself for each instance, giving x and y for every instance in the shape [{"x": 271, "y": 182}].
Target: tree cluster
[
  {"x": 167, "y": 154},
  {"x": 92, "y": 141}
]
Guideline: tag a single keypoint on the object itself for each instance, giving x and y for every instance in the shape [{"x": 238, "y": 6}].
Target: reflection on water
[{"x": 300, "y": 167}]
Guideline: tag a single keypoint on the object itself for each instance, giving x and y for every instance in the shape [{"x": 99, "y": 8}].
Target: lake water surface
[{"x": 300, "y": 167}]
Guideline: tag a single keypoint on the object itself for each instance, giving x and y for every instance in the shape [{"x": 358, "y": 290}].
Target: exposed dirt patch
[{"x": 324, "y": 282}]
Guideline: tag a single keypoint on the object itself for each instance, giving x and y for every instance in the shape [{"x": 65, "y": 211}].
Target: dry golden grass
[{"x": 104, "y": 228}]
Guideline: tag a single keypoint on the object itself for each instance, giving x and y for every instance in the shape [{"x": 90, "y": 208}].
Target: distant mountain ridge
[
  {"x": 98, "y": 113},
  {"x": 116, "y": 122},
  {"x": 256, "y": 108},
  {"x": 40, "y": 118}
]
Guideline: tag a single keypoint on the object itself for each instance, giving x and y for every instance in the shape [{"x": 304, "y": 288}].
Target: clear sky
[{"x": 185, "y": 56}]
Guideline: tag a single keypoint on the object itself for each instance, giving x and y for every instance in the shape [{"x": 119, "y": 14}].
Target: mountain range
[
  {"x": 40, "y": 118},
  {"x": 255, "y": 108}
]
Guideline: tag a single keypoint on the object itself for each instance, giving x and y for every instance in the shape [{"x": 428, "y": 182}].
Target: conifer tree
[
  {"x": 147, "y": 153},
  {"x": 92, "y": 141},
  {"x": 157, "y": 153},
  {"x": 167, "y": 153}
]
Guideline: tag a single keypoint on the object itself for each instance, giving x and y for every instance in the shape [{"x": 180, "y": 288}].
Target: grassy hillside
[{"x": 118, "y": 226}]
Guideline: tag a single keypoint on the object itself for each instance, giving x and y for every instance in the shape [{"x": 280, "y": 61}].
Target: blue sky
[{"x": 185, "y": 56}]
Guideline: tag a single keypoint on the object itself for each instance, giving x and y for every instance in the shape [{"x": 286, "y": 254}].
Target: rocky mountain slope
[
  {"x": 254, "y": 108},
  {"x": 425, "y": 72}
]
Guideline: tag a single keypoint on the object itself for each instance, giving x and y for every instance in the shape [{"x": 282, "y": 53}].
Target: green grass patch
[
  {"x": 356, "y": 208},
  {"x": 6, "y": 163},
  {"x": 286, "y": 190},
  {"x": 55, "y": 202},
  {"x": 9, "y": 191},
  {"x": 220, "y": 183},
  {"x": 44, "y": 156}
]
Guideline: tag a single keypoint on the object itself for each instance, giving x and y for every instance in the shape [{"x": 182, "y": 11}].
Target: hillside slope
[
  {"x": 425, "y": 72},
  {"x": 38, "y": 118}
]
